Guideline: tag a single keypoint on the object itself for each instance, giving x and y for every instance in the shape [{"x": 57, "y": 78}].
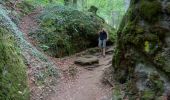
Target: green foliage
[
  {"x": 111, "y": 31},
  {"x": 25, "y": 7},
  {"x": 158, "y": 84},
  {"x": 156, "y": 90},
  {"x": 117, "y": 95},
  {"x": 38, "y": 3},
  {"x": 105, "y": 9},
  {"x": 148, "y": 95},
  {"x": 160, "y": 60},
  {"x": 13, "y": 84},
  {"x": 62, "y": 29},
  {"x": 105, "y": 6}
]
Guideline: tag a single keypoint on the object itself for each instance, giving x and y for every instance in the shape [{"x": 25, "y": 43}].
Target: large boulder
[
  {"x": 65, "y": 30},
  {"x": 87, "y": 60},
  {"x": 142, "y": 55}
]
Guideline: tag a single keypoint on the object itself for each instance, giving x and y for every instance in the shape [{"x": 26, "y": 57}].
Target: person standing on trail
[{"x": 103, "y": 37}]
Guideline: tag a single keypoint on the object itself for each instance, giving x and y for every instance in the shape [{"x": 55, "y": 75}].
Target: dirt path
[
  {"x": 28, "y": 24},
  {"x": 85, "y": 84}
]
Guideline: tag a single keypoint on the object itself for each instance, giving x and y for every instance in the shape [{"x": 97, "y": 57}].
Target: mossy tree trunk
[{"x": 142, "y": 52}]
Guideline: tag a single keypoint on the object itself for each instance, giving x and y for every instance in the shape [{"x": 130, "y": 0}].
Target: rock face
[{"x": 142, "y": 55}]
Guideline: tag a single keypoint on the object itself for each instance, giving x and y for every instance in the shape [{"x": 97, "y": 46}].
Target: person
[{"x": 103, "y": 37}]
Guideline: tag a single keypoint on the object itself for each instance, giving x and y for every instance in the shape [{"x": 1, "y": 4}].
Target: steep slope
[
  {"x": 13, "y": 77},
  {"x": 41, "y": 70}
]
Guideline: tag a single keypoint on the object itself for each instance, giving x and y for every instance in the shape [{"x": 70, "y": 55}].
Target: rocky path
[
  {"x": 76, "y": 82},
  {"x": 86, "y": 84}
]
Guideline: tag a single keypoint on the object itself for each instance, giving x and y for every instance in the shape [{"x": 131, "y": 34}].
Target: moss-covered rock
[
  {"x": 64, "y": 30},
  {"x": 150, "y": 10},
  {"x": 13, "y": 78},
  {"x": 143, "y": 46}
]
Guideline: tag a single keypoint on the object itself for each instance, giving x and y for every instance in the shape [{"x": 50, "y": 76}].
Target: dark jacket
[{"x": 102, "y": 35}]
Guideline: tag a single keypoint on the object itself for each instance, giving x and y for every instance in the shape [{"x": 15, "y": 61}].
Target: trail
[{"x": 85, "y": 84}]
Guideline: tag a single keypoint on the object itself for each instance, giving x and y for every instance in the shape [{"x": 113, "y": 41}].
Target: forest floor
[{"x": 75, "y": 82}]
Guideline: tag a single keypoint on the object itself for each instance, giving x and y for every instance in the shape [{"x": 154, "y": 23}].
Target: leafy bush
[{"x": 25, "y": 7}]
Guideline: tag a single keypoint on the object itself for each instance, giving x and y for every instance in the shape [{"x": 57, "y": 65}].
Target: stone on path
[{"x": 87, "y": 60}]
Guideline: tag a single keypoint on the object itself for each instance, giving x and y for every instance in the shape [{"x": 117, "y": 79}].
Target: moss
[
  {"x": 139, "y": 29},
  {"x": 129, "y": 26},
  {"x": 158, "y": 87},
  {"x": 159, "y": 31},
  {"x": 147, "y": 95},
  {"x": 117, "y": 95},
  {"x": 135, "y": 39},
  {"x": 149, "y": 10},
  {"x": 159, "y": 60},
  {"x": 117, "y": 57},
  {"x": 136, "y": 31},
  {"x": 13, "y": 78},
  {"x": 131, "y": 87}
]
